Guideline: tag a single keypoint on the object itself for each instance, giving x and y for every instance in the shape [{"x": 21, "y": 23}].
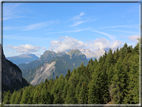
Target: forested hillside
[{"x": 113, "y": 78}]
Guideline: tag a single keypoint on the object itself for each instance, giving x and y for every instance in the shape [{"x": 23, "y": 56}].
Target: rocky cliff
[
  {"x": 43, "y": 72},
  {"x": 11, "y": 75}
]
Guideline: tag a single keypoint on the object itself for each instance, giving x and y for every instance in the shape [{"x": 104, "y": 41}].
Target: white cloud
[
  {"x": 116, "y": 43},
  {"x": 134, "y": 38},
  {"x": 44, "y": 48},
  {"x": 93, "y": 48},
  {"x": 65, "y": 44},
  {"x": 77, "y": 23},
  {"x": 98, "y": 44},
  {"x": 26, "y": 48},
  {"x": 79, "y": 16},
  {"x": 99, "y": 53}
]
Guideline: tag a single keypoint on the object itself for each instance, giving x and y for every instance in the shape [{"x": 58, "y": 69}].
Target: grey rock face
[
  {"x": 11, "y": 74},
  {"x": 43, "y": 72}
]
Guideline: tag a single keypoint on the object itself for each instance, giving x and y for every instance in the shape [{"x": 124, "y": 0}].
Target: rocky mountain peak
[{"x": 74, "y": 51}]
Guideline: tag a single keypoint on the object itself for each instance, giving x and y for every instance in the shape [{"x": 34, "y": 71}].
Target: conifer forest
[{"x": 114, "y": 78}]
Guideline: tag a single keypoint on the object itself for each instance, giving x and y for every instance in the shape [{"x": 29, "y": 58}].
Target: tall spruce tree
[
  {"x": 25, "y": 96},
  {"x": 7, "y": 97},
  {"x": 70, "y": 98},
  {"x": 36, "y": 96},
  {"x": 83, "y": 96},
  {"x": 68, "y": 74},
  {"x": 119, "y": 81},
  {"x": 13, "y": 96},
  {"x": 94, "y": 92},
  {"x": 18, "y": 96}
]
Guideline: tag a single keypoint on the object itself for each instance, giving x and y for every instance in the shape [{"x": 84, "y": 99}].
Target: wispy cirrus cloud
[
  {"x": 37, "y": 25},
  {"x": 78, "y": 16},
  {"x": 77, "y": 20},
  {"x": 34, "y": 26},
  {"x": 121, "y": 26},
  {"x": 126, "y": 31},
  {"x": 12, "y": 28},
  {"x": 10, "y": 11},
  {"x": 106, "y": 34},
  {"x": 27, "y": 38},
  {"x": 73, "y": 31},
  {"x": 77, "y": 23}
]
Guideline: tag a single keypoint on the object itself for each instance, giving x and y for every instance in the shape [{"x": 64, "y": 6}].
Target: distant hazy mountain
[
  {"x": 24, "y": 58},
  {"x": 91, "y": 54},
  {"x": 52, "y": 64}
]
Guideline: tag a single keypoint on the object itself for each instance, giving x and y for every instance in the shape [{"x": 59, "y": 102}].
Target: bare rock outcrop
[
  {"x": 11, "y": 75},
  {"x": 43, "y": 72}
]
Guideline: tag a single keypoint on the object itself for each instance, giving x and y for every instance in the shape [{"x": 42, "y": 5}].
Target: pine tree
[
  {"x": 132, "y": 96},
  {"x": 18, "y": 97},
  {"x": 45, "y": 96},
  {"x": 4, "y": 96},
  {"x": 90, "y": 62},
  {"x": 59, "y": 98},
  {"x": 46, "y": 81},
  {"x": 68, "y": 74},
  {"x": 65, "y": 89},
  {"x": 119, "y": 81},
  {"x": 83, "y": 94},
  {"x": 35, "y": 97},
  {"x": 25, "y": 96},
  {"x": 109, "y": 59},
  {"x": 70, "y": 98},
  {"x": 12, "y": 99},
  {"x": 7, "y": 97},
  {"x": 31, "y": 96},
  {"x": 123, "y": 51},
  {"x": 86, "y": 73},
  {"x": 94, "y": 92},
  {"x": 116, "y": 55},
  {"x": 104, "y": 92},
  {"x": 59, "y": 93},
  {"x": 78, "y": 91}
]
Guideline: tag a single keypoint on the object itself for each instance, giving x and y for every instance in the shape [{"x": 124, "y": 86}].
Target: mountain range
[
  {"x": 52, "y": 64},
  {"x": 93, "y": 54},
  {"x": 24, "y": 58}
]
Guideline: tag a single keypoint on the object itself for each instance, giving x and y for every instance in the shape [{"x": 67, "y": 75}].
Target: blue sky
[{"x": 36, "y": 27}]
